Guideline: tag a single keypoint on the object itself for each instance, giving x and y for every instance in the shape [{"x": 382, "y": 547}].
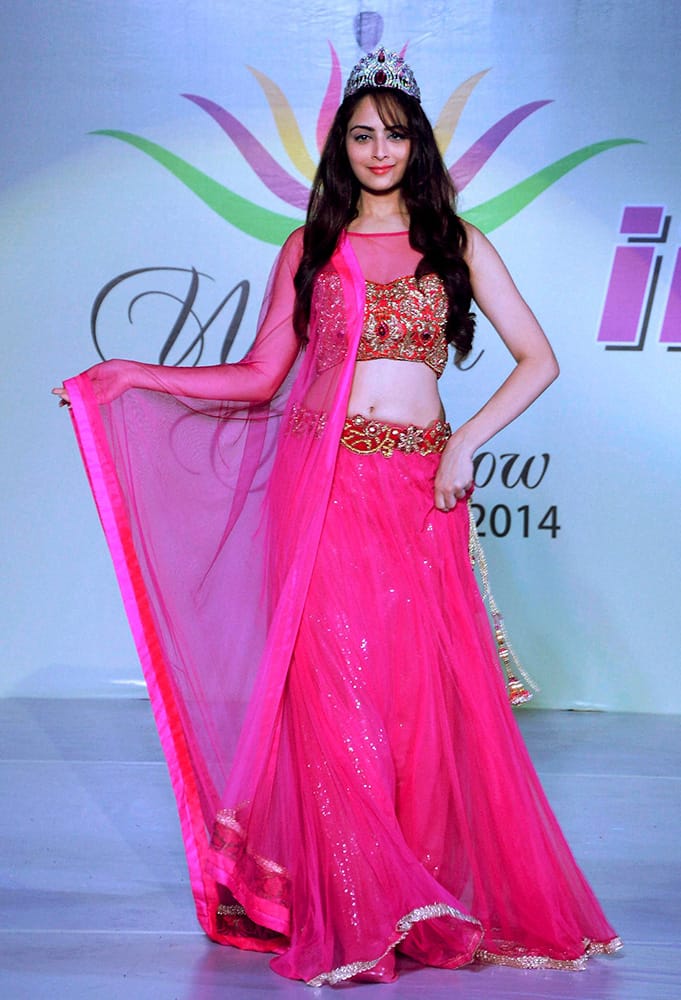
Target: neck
[{"x": 384, "y": 213}]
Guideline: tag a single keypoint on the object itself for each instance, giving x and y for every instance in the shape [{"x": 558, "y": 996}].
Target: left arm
[{"x": 535, "y": 367}]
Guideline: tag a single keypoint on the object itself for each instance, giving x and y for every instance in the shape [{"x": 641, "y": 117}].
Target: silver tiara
[{"x": 382, "y": 69}]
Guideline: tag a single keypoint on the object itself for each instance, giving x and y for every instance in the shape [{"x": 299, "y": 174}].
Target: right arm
[
  {"x": 254, "y": 379},
  {"x": 535, "y": 368}
]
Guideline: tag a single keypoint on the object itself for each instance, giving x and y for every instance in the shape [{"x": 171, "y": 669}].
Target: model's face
[{"x": 378, "y": 153}]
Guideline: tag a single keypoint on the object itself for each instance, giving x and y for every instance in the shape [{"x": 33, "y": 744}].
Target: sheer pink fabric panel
[
  {"x": 248, "y": 849},
  {"x": 398, "y": 762},
  {"x": 384, "y": 257},
  {"x": 181, "y": 485},
  {"x": 260, "y": 374}
]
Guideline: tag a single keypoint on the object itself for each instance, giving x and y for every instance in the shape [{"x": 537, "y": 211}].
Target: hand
[
  {"x": 109, "y": 380},
  {"x": 454, "y": 477},
  {"x": 63, "y": 395}
]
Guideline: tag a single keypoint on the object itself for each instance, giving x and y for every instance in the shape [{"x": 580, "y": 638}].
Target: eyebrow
[{"x": 370, "y": 128}]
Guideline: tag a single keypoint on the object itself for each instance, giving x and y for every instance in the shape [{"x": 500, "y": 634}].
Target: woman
[{"x": 368, "y": 789}]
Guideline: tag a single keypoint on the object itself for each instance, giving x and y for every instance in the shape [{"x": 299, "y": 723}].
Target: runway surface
[{"x": 95, "y": 900}]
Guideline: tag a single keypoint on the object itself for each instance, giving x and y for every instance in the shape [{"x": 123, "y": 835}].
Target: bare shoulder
[
  {"x": 486, "y": 267},
  {"x": 498, "y": 298},
  {"x": 472, "y": 236},
  {"x": 479, "y": 250}
]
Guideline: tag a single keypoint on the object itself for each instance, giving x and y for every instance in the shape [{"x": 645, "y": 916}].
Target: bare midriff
[{"x": 395, "y": 392}]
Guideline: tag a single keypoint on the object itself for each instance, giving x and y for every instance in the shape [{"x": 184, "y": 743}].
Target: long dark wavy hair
[{"x": 435, "y": 229}]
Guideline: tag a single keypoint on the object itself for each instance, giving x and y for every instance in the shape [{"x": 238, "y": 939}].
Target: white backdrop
[{"x": 591, "y": 607}]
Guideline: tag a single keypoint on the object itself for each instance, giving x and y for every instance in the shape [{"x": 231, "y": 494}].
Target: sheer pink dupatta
[{"x": 213, "y": 512}]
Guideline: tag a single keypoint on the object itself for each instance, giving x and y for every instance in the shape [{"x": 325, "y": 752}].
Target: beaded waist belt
[{"x": 364, "y": 436}]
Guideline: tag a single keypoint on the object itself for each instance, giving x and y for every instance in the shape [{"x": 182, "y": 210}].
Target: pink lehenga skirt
[{"x": 401, "y": 811}]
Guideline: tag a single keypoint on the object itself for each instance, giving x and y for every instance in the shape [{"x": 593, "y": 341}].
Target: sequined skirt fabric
[{"x": 401, "y": 807}]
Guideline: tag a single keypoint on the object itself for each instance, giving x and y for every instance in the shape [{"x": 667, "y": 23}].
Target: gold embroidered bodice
[{"x": 405, "y": 320}]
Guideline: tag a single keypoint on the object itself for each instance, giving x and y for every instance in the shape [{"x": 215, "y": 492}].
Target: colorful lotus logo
[{"x": 273, "y": 227}]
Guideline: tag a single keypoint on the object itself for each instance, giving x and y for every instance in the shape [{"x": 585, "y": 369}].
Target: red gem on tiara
[{"x": 382, "y": 69}]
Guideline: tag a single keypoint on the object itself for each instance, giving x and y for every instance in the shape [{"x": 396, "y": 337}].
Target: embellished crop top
[{"x": 405, "y": 320}]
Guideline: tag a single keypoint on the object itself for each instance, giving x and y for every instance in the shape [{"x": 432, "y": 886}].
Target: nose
[{"x": 380, "y": 148}]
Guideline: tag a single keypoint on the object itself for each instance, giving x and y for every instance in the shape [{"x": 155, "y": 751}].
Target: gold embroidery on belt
[{"x": 364, "y": 436}]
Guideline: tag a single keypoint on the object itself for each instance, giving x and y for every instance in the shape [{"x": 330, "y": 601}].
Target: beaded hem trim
[
  {"x": 364, "y": 436},
  {"x": 403, "y": 926},
  {"x": 227, "y": 818},
  {"x": 591, "y": 948},
  {"x": 520, "y": 689},
  {"x": 266, "y": 878},
  {"x": 231, "y": 910}
]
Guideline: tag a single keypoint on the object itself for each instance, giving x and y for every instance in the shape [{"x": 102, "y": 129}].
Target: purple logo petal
[{"x": 368, "y": 29}]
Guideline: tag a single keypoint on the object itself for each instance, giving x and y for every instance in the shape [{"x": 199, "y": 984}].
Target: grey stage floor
[{"x": 95, "y": 900}]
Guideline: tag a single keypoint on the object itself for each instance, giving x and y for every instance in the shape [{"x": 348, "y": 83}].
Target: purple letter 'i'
[
  {"x": 671, "y": 324},
  {"x": 632, "y": 276}
]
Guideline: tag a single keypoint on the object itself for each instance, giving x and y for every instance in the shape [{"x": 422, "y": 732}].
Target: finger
[
  {"x": 441, "y": 502},
  {"x": 64, "y": 399},
  {"x": 446, "y": 504}
]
